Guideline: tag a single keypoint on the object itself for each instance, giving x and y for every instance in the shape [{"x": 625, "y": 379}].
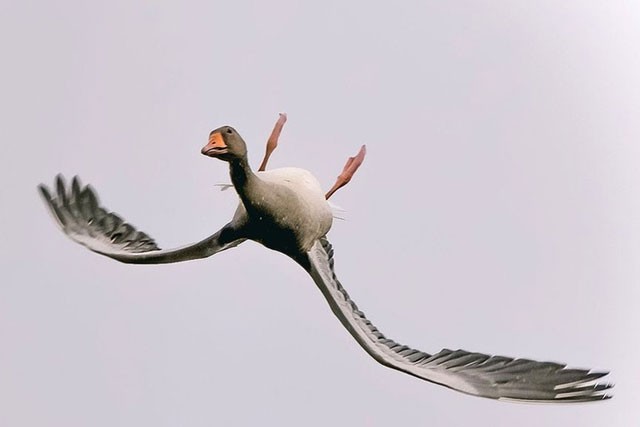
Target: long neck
[{"x": 246, "y": 183}]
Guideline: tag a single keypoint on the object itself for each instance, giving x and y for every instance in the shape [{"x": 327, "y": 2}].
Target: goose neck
[{"x": 244, "y": 180}]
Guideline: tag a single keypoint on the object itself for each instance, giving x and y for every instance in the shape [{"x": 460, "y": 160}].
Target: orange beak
[{"x": 215, "y": 146}]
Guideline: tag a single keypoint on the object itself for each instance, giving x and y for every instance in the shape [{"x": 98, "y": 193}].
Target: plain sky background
[{"x": 497, "y": 210}]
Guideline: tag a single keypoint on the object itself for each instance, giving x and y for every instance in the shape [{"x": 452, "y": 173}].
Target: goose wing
[
  {"x": 82, "y": 218},
  {"x": 477, "y": 374}
]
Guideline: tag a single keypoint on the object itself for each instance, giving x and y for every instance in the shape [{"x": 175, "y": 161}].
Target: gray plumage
[
  {"x": 80, "y": 216},
  {"x": 285, "y": 210},
  {"x": 478, "y": 374}
]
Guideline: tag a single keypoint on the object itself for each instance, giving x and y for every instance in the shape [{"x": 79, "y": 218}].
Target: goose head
[{"x": 225, "y": 143}]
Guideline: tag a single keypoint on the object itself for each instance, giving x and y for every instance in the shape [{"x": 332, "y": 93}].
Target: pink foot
[
  {"x": 272, "y": 142},
  {"x": 350, "y": 168}
]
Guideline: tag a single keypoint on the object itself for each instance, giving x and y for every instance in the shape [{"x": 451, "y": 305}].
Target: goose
[{"x": 287, "y": 211}]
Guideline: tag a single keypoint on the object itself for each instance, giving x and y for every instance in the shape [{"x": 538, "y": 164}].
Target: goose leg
[
  {"x": 350, "y": 168},
  {"x": 272, "y": 142}
]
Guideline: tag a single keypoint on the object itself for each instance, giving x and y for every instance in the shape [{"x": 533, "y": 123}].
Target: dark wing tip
[
  {"x": 51, "y": 203},
  {"x": 79, "y": 214},
  {"x": 60, "y": 181},
  {"x": 44, "y": 192},
  {"x": 75, "y": 186},
  {"x": 585, "y": 389}
]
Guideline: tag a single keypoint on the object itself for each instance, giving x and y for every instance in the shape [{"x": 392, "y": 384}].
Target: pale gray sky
[{"x": 497, "y": 211}]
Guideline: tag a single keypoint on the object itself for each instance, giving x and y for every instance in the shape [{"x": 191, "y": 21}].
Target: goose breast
[{"x": 302, "y": 211}]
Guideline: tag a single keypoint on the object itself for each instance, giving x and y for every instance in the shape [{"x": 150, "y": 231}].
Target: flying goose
[{"x": 286, "y": 210}]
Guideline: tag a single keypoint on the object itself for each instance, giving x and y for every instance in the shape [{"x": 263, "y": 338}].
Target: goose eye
[{"x": 229, "y": 131}]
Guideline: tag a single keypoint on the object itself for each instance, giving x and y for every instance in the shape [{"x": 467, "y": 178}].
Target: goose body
[
  {"x": 285, "y": 210},
  {"x": 291, "y": 206}
]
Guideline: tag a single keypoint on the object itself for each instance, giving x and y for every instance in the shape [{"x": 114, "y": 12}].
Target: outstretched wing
[
  {"x": 477, "y": 374},
  {"x": 80, "y": 216}
]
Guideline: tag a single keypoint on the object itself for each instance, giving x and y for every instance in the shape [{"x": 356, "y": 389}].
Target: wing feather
[
  {"x": 478, "y": 374},
  {"x": 78, "y": 212}
]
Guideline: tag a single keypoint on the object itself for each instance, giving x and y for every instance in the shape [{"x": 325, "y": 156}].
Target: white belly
[{"x": 310, "y": 215}]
